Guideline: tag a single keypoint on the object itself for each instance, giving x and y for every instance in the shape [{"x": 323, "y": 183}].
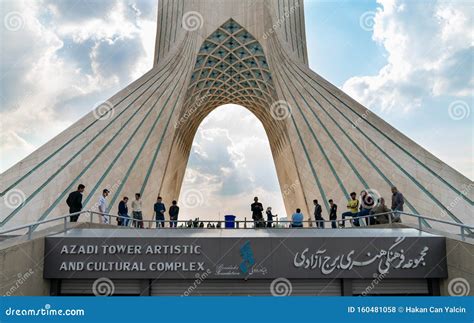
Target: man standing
[
  {"x": 353, "y": 206},
  {"x": 123, "y": 212},
  {"x": 174, "y": 211},
  {"x": 333, "y": 214},
  {"x": 160, "y": 210},
  {"x": 137, "y": 211},
  {"x": 318, "y": 215},
  {"x": 103, "y": 207},
  {"x": 257, "y": 208},
  {"x": 74, "y": 201},
  {"x": 397, "y": 203}
]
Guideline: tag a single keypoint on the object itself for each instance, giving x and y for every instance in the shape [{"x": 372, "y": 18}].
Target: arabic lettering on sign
[{"x": 387, "y": 259}]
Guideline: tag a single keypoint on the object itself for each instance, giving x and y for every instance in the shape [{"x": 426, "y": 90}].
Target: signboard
[{"x": 244, "y": 258}]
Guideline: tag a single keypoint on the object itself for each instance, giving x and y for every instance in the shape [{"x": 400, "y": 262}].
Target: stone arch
[{"x": 231, "y": 68}]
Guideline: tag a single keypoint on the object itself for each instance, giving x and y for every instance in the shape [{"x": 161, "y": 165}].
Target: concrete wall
[
  {"x": 21, "y": 263},
  {"x": 21, "y": 266},
  {"x": 460, "y": 259}
]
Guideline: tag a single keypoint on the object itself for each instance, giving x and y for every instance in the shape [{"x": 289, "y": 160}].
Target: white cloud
[
  {"x": 66, "y": 57},
  {"x": 429, "y": 48},
  {"x": 229, "y": 166}
]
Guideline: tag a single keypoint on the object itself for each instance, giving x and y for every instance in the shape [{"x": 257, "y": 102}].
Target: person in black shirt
[
  {"x": 74, "y": 201},
  {"x": 123, "y": 218},
  {"x": 160, "y": 210},
  {"x": 173, "y": 211},
  {"x": 257, "y": 208},
  {"x": 318, "y": 215},
  {"x": 333, "y": 214}
]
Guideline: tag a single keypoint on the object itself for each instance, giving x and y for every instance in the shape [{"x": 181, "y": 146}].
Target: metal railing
[{"x": 106, "y": 218}]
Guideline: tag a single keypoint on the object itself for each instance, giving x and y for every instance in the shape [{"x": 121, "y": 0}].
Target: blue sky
[
  {"x": 411, "y": 62},
  {"x": 413, "y": 66}
]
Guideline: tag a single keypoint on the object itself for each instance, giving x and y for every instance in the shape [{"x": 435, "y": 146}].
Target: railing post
[
  {"x": 245, "y": 223},
  {"x": 65, "y": 223},
  {"x": 390, "y": 214},
  {"x": 91, "y": 216},
  {"x": 462, "y": 233},
  {"x": 419, "y": 223},
  {"x": 30, "y": 231}
]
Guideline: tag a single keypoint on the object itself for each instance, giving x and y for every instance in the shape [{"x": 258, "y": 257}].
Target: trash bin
[{"x": 229, "y": 221}]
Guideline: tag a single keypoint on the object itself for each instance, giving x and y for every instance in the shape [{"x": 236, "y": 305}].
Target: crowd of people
[
  {"x": 373, "y": 212},
  {"x": 364, "y": 206},
  {"x": 74, "y": 201}
]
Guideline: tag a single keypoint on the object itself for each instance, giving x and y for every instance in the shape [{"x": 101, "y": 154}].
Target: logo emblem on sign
[{"x": 248, "y": 260}]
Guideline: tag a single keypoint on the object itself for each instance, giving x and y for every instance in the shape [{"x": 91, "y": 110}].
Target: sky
[{"x": 410, "y": 62}]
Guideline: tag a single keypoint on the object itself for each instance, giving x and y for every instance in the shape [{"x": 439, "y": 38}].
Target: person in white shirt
[
  {"x": 104, "y": 218},
  {"x": 137, "y": 211}
]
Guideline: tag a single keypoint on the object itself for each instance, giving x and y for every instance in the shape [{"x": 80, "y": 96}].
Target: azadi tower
[{"x": 248, "y": 52}]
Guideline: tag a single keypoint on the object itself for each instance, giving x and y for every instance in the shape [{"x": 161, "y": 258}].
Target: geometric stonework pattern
[{"x": 231, "y": 67}]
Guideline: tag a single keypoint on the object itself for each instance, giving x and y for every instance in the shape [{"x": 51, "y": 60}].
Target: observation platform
[{"x": 74, "y": 258}]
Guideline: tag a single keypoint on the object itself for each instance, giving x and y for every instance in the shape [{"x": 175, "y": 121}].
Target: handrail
[
  {"x": 25, "y": 226},
  {"x": 32, "y": 226}
]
